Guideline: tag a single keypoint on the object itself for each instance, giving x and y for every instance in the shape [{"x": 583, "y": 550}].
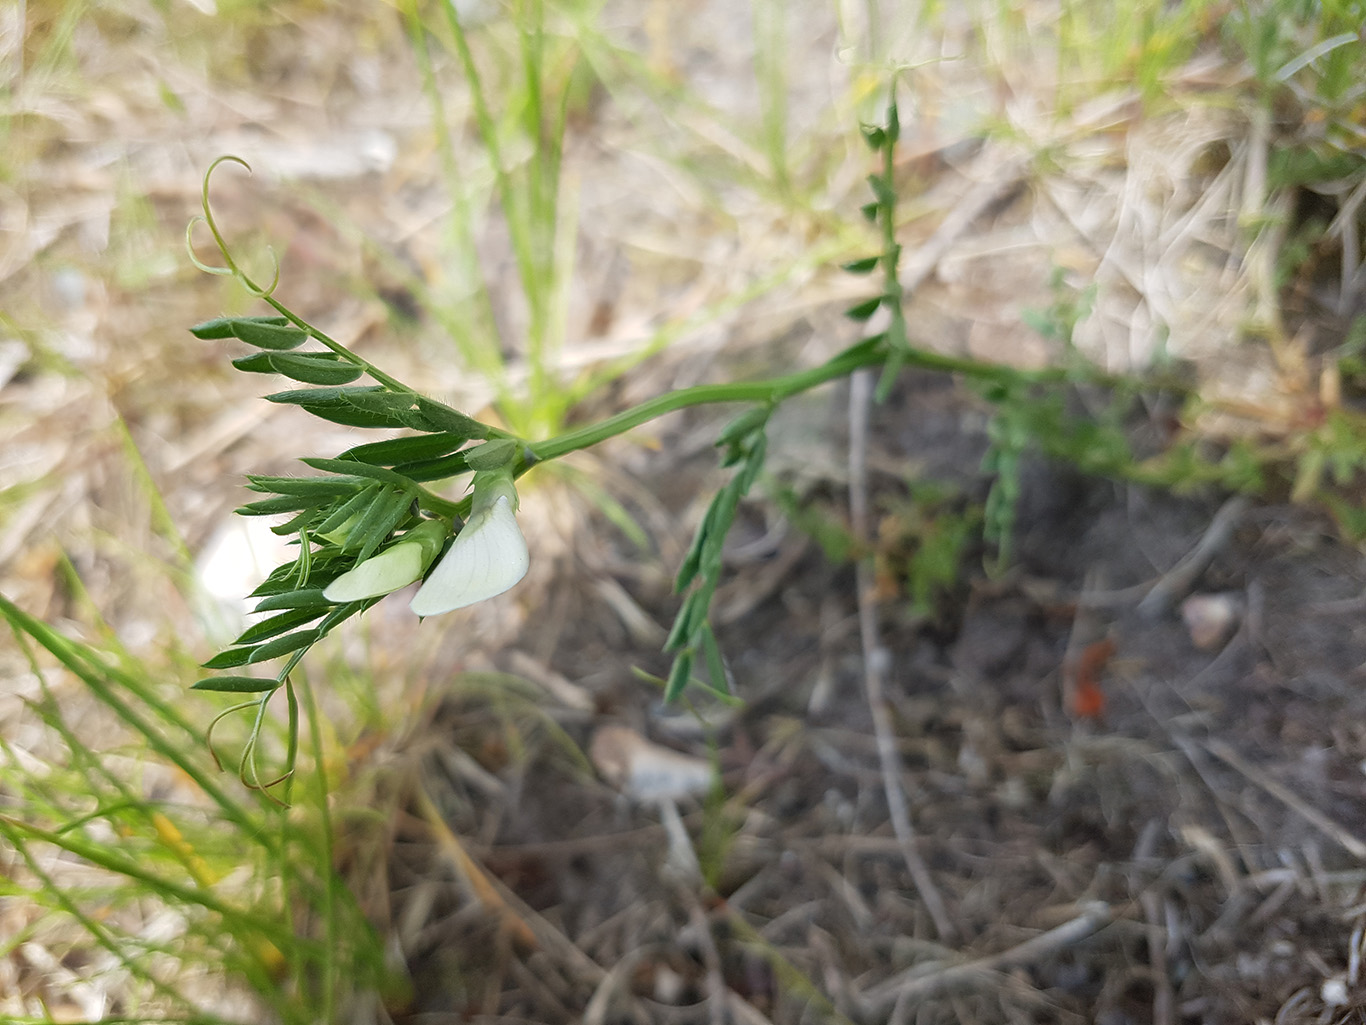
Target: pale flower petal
[
  {"x": 487, "y": 557},
  {"x": 388, "y": 571}
]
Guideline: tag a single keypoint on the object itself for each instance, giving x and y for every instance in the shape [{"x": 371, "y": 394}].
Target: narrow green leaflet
[
  {"x": 735, "y": 432},
  {"x": 226, "y": 327},
  {"x": 435, "y": 469},
  {"x": 326, "y": 396},
  {"x": 308, "y": 487},
  {"x": 276, "y": 625},
  {"x": 491, "y": 455},
  {"x": 864, "y": 266},
  {"x": 864, "y": 310},
  {"x": 754, "y": 463},
  {"x": 384, "y": 403},
  {"x": 307, "y": 597},
  {"x": 284, "y": 645},
  {"x": 344, "y": 612},
  {"x": 358, "y": 406},
  {"x": 411, "y": 449},
  {"x": 450, "y": 421},
  {"x": 882, "y": 190},
  {"x": 388, "y": 510},
  {"x": 351, "y": 416},
  {"x": 307, "y": 367},
  {"x": 700, "y": 573},
  {"x": 348, "y": 466},
  {"x": 275, "y": 506},
  {"x": 716, "y": 666},
  {"x": 315, "y": 367},
  {"x": 295, "y": 524},
  {"x": 231, "y": 658},
  {"x": 351, "y": 509},
  {"x": 256, "y": 363},
  {"x": 690, "y": 617},
  {"x": 323, "y": 566},
  {"x": 269, "y": 336},
  {"x": 680, "y": 673},
  {"x": 278, "y": 582},
  {"x": 236, "y": 684}
]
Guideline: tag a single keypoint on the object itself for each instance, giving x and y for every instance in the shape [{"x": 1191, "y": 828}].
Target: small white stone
[
  {"x": 645, "y": 770},
  {"x": 1333, "y": 992},
  {"x": 1211, "y": 618}
]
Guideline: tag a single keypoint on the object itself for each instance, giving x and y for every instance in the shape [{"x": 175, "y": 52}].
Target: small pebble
[
  {"x": 1211, "y": 618},
  {"x": 1334, "y": 991}
]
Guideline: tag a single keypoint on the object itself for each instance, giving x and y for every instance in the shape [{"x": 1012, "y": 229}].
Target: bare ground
[{"x": 1189, "y": 851}]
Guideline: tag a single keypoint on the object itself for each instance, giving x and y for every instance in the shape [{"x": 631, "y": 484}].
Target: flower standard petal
[{"x": 487, "y": 557}]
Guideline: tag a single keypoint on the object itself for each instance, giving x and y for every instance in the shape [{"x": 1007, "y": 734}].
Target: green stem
[
  {"x": 443, "y": 507},
  {"x": 891, "y": 250},
  {"x": 772, "y": 392},
  {"x": 392, "y": 383},
  {"x": 869, "y": 352}
]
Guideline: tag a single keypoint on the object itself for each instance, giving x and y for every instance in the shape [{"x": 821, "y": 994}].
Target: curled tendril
[
  {"x": 208, "y": 732},
  {"x": 230, "y": 266},
  {"x": 248, "y": 771}
]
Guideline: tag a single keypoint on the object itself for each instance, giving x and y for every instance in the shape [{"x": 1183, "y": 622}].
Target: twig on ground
[
  {"x": 1157, "y": 597},
  {"x": 1157, "y": 957},
  {"x": 1341, "y": 607},
  {"x": 924, "y": 981},
  {"x": 743, "y": 1012},
  {"x": 534, "y": 983},
  {"x": 1161, "y": 928},
  {"x": 1329, "y": 827},
  {"x": 616, "y": 982},
  {"x": 996, "y": 177},
  {"x": 524, "y": 922},
  {"x": 1181, "y": 578},
  {"x": 820, "y": 945},
  {"x": 717, "y": 990},
  {"x": 874, "y": 662}
]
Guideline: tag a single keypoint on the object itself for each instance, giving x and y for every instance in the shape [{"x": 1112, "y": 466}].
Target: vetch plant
[{"x": 368, "y": 523}]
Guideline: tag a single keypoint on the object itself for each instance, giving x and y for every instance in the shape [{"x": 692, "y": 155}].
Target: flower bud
[{"x": 404, "y": 561}]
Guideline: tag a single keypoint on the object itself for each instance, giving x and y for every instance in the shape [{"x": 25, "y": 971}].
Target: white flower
[
  {"x": 397, "y": 566},
  {"x": 487, "y": 557}
]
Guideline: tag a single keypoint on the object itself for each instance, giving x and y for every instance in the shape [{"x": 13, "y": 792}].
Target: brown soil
[{"x": 1188, "y": 853}]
